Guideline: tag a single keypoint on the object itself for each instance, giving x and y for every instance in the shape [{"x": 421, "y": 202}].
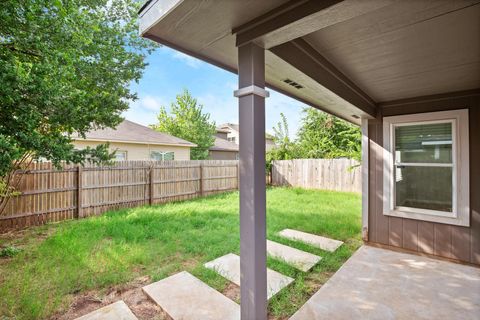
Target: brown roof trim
[{"x": 433, "y": 97}]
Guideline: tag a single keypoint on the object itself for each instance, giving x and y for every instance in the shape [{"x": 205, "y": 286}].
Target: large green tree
[
  {"x": 65, "y": 68},
  {"x": 325, "y": 136},
  {"x": 186, "y": 120}
]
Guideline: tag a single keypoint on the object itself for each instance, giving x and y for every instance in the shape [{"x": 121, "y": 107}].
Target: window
[
  {"x": 426, "y": 167},
  {"x": 231, "y": 139},
  {"x": 159, "y": 155},
  {"x": 120, "y": 155}
]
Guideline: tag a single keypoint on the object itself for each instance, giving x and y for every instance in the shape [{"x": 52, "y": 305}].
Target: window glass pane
[
  {"x": 155, "y": 155},
  {"x": 424, "y": 187},
  {"x": 120, "y": 156},
  {"x": 169, "y": 156},
  {"x": 422, "y": 143}
]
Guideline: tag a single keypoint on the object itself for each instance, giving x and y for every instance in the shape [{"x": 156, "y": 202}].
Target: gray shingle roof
[
  {"x": 129, "y": 131},
  {"x": 223, "y": 145},
  {"x": 236, "y": 127}
]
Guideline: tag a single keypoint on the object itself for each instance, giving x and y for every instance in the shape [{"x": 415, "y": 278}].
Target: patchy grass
[{"x": 62, "y": 261}]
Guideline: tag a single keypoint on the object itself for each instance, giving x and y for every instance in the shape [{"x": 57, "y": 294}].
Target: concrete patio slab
[
  {"x": 323, "y": 243},
  {"x": 184, "y": 297},
  {"x": 115, "y": 311},
  {"x": 299, "y": 259},
  {"x": 228, "y": 266},
  {"x": 383, "y": 284}
]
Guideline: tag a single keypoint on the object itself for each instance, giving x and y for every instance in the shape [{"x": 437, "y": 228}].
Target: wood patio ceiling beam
[
  {"x": 281, "y": 19},
  {"x": 310, "y": 62},
  {"x": 298, "y": 18}
]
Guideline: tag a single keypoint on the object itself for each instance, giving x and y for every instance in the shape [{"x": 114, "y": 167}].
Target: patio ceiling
[{"x": 348, "y": 56}]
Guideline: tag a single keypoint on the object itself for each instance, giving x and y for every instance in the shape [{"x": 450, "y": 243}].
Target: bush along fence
[
  {"x": 49, "y": 194},
  {"x": 327, "y": 174}
]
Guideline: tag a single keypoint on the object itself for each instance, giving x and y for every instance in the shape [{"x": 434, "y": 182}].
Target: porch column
[{"x": 251, "y": 94}]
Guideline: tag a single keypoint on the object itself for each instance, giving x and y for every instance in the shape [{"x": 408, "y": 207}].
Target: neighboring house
[
  {"x": 233, "y": 135},
  {"x": 132, "y": 141},
  {"x": 223, "y": 149}
]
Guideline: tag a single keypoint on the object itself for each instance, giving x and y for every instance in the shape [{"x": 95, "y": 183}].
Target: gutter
[
  {"x": 144, "y": 6},
  {"x": 191, "y": 145}
]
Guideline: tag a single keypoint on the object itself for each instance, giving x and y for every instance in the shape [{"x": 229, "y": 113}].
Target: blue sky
[{"x": 170, "y": 71}]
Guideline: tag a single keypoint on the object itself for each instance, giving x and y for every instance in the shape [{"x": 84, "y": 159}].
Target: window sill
[{"x": 456, "y": 221}]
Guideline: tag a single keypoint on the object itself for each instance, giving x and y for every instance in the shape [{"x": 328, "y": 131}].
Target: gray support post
[
  {"x": 365, "y": 178},
  {"x": 251, "y": 94}
]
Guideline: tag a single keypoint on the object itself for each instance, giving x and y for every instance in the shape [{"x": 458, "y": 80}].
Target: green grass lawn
[{"x": 59, "y": 261}]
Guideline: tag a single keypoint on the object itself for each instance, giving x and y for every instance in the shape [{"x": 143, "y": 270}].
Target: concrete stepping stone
[
  {"x": 115, "y": 311},
  {"x": 184, "y": 297},
  {"x": 299, "y": 259},
  {"x": 323, "y": 243},
  {"x": 228, "y": 266}
]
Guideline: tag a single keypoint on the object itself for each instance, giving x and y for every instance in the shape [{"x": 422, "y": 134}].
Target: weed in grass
[{"x": 9, "y": 252}]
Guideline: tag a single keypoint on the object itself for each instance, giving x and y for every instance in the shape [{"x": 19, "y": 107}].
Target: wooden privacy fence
[
  {"x": 327, "y": 174},
  {"x": 49, "y": 194}
]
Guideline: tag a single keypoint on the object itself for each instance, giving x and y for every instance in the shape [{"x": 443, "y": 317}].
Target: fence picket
[
  {"x": 50, "y": 194},
  {"x": 327, "y": 174}
]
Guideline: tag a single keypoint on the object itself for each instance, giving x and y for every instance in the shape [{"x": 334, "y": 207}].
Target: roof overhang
[
  {"x": 348, "y": 57},
  {"x": 192, "y": 145}
]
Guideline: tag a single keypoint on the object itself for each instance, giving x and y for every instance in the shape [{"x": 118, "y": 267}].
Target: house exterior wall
[
  {"x": 269, "y": 144},
  {"x": 137, "y": 151},
  {"x": 223, "y": 155},
  {"x": 234, "y": 134},
  {"x": 455, "y": 242},
  {"x": 222, "y": 135}
]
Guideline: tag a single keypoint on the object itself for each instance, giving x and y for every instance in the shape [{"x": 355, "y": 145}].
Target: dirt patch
[
  {"x": 130, "y": 293},
  {"x": 232, "y": 291}
]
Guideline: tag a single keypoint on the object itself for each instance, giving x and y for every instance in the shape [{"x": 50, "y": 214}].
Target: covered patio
[{"x": 407, "y": 72}]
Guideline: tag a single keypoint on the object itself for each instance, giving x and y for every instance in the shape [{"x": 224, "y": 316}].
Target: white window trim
[
  {"x": 162, "y": 153},
  {"x": 460, "y": 214},
  {"x": 121, "y": 151}
]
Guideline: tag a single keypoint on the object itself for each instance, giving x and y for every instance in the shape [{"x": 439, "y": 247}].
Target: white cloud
[
  {"x": 145, "y": 109},
  {"x": 188, "y": 60},
  {"x": 151, "y": 103}
]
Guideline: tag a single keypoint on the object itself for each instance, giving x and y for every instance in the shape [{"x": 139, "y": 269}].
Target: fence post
[
  {"x": 79, "y": 192},
  {"x": 201, "y": 179},
  {"x": 150, "y": 189},
  {"x": 238, "y": 175}
]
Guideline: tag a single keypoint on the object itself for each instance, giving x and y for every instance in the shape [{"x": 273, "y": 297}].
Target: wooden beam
[
  {"x": 279, "y": 18},
  {"x": 296, "y": 19},
  {"x": 306, "y": 59},
  {"x": 253, "y": 254},
  {"x": 436, "y": 102}
]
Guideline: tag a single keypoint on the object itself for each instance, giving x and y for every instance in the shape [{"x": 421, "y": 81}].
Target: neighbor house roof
[
  {"x": 223, "y": 145},
  {"x": 131, "y": 132},
  {"x": 236, "y": 127}
]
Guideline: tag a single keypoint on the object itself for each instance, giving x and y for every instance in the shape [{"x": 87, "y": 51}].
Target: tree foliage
[
  {"x": 285, "y": 148},
  {"x": 320, "y": 136},
  {"x": 325, "y": 136},
  {"x": 65, "y": 68},
  {"x": 186, "y": 120}
]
